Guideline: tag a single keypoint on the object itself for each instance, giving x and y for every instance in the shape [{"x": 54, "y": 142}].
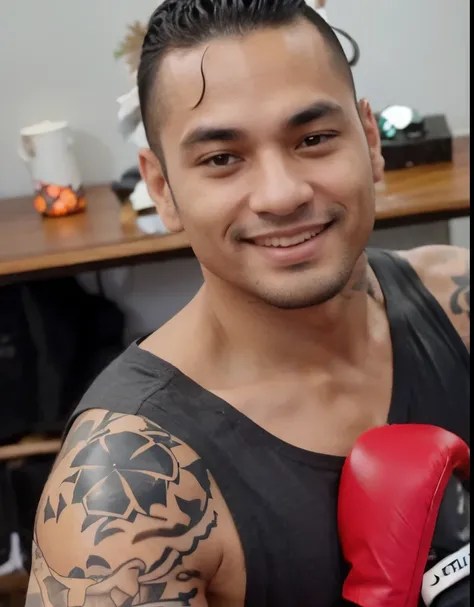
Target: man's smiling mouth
[{"x": 281, "y": 240}]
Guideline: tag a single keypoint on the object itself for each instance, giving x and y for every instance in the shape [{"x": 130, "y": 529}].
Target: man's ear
[
  {"x": 372, "y": 135},
  {"x": 152, "y": 173}
]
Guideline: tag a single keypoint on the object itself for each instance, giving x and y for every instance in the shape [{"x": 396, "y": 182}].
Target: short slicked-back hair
[{"x": 178, "y": 24}]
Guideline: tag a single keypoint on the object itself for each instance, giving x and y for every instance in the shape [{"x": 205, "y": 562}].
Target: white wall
[{"x": 56, "y": 62}]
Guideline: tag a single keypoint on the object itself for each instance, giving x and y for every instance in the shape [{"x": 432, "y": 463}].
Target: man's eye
[
  {"x": 222, "y": 160},
  {"x": 314, "y": 140}
]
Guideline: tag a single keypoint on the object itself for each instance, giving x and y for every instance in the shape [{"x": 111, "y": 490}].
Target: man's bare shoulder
[
  {"x": 445, "y": 271},
  {"x": 127, "y": 517}
]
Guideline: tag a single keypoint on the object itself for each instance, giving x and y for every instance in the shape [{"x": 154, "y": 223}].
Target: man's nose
[{"x": 278, "y": 187}]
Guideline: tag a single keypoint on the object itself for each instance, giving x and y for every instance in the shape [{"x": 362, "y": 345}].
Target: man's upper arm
[
  {"x": 445, "y": 270},
  {"x": 127, "y": 517}
]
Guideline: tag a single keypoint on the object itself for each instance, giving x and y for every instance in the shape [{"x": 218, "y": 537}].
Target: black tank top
[{"x": 284, "y": 499}]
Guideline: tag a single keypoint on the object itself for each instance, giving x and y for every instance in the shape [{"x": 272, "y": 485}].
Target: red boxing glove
[{"x": 392, "y": 486}]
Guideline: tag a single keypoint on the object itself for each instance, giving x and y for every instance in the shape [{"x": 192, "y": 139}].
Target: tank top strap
[{"x": 408, "y": 301}]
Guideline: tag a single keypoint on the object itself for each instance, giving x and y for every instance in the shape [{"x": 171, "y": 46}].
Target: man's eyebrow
[
  {"x": 315, "y": 111},
  {"x": 204, "y": 134}
]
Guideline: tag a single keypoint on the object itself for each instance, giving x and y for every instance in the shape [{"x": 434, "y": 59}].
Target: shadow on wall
[
  {"x": 94, "y": 157},
  {"x": 149, "y": 294}
]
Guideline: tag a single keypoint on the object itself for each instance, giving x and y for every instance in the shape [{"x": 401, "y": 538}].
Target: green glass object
[{"x": 386, "y": 128}]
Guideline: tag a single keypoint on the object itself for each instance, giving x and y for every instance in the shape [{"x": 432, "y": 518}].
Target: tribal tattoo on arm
[
  {"x": 122, "y": 520},
  {"x": 461, "y": 297},
  {"x": 460, "y": 303}
]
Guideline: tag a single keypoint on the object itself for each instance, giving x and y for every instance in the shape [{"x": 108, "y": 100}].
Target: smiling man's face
[{"x": 272, "y": 173}]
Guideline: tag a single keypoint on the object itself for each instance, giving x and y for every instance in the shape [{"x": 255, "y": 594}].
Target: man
[{"x": 202, "y": 467}]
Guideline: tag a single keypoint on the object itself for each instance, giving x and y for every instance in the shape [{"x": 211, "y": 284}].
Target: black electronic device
[{"x": 432, "y": 144}]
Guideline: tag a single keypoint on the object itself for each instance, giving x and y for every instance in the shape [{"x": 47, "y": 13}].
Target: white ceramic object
[
  {"x": 47, "y": 150},
  {"x": 140, "y": 198},
  {"x": 130, "y": 121}
]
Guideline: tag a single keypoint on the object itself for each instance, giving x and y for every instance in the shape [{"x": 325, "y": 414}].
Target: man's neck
[{"x": 256, "y": 335}]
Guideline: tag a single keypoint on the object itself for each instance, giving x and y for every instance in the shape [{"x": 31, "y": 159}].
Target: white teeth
[{"x": 288, "y": 241}]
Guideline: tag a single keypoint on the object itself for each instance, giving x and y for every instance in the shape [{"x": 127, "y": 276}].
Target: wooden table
[{"x": 32, "y": 247}]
